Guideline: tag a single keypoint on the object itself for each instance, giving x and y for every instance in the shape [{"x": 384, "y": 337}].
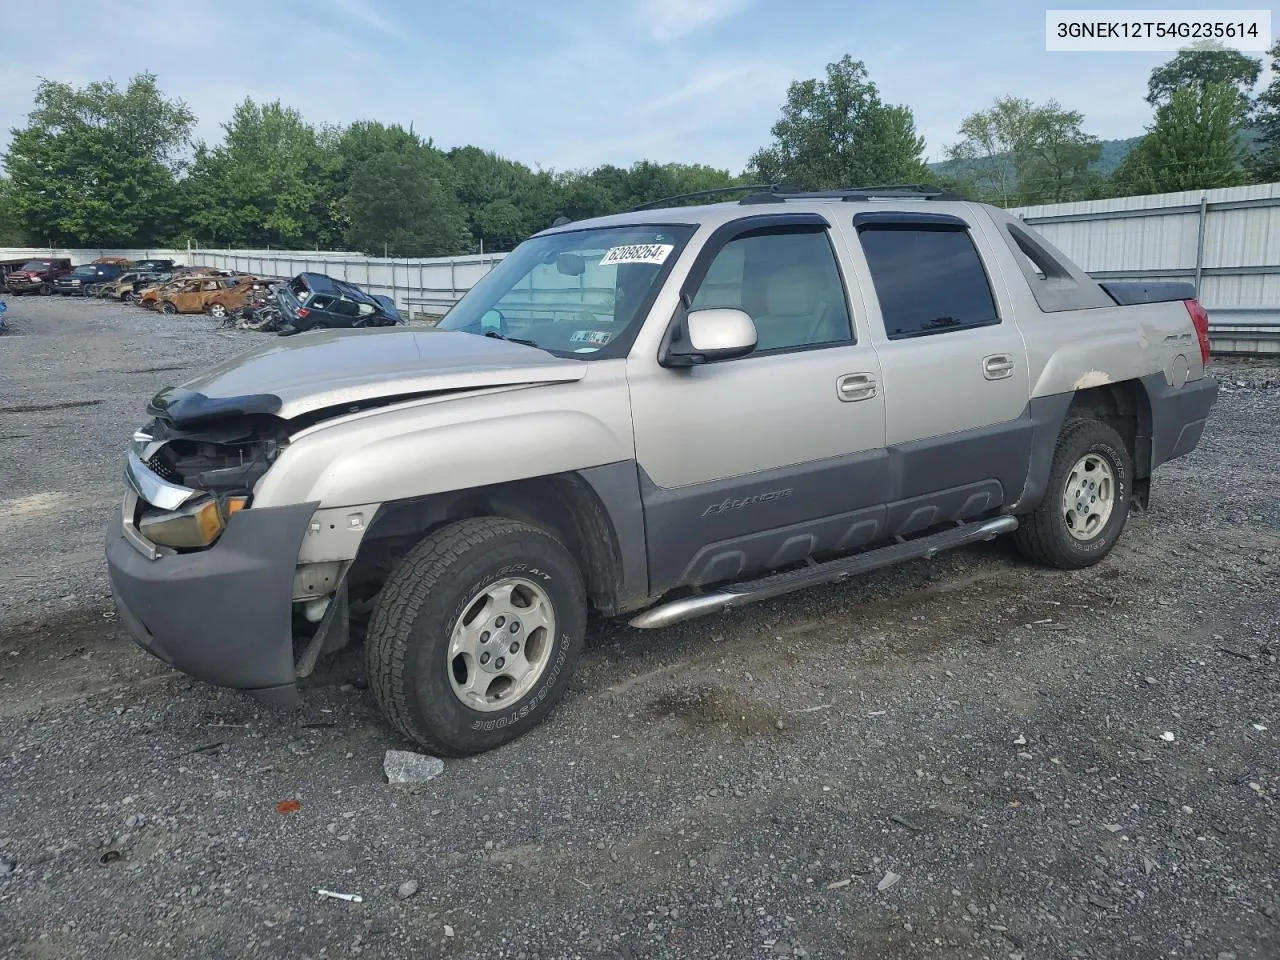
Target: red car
[{"x": 37, "y": 276}]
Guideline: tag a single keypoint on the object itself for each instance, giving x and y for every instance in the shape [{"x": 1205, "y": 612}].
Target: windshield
[
  {"x": 578, "y": 293},
  {"x": 36, "y": 266}
]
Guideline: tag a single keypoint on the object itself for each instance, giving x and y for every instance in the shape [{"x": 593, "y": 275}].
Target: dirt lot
[{"x": 1053, "y": 765}]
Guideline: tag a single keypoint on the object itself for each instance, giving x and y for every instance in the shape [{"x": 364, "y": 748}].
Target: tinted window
[
  {"x": 786, "y": 281},
  {"x": 927, "y": 281}
]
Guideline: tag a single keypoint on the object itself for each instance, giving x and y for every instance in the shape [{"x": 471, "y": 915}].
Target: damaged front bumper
[{"x": 222, "y": 614}]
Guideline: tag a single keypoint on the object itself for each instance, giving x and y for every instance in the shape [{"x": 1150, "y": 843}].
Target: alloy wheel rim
[
  {"x": 501, "y": 644},
  {"x": 1088, "y": 497}
]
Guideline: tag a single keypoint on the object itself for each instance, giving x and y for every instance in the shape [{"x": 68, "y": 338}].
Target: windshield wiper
[{"x": 503, "y": 336}]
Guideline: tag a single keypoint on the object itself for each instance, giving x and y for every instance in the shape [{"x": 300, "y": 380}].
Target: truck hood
[{"x": 292, "y": 376}]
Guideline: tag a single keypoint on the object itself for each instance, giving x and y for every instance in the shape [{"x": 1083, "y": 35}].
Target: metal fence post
[{"x": 1204, "y": 210}]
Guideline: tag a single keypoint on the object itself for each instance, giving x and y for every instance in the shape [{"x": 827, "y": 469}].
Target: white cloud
[
  {"x": 673, "y": 19},
  {"x": 366, "y": 13}
]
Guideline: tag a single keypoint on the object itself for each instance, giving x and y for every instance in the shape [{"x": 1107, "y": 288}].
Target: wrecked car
[
  {"x": 78, "y": 281},
  {"x": 225, "y": 302},
  {"x": 187, "y": 294},
  {"x": 126, "y": 287},
  {"x": 661, "y": 415},
  {"x": 37, "y": 275},
  {"x": 312, "y": 301}
]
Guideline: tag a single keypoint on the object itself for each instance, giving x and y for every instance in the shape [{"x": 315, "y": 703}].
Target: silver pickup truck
[{"x": 662, "y": 414}]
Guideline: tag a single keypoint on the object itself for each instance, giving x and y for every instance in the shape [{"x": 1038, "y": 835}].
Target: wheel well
[
  {"x": 563, "y": 505},
  {"x": 1125, "y": 407}
]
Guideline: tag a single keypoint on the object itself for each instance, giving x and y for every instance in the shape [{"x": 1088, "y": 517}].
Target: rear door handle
[
  {"x": 997, "y": 367},
  {"x": 856, "y": 386}
]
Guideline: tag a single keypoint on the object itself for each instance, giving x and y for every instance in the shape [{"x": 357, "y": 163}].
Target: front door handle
[
  {"x": 856, "y": 386},
  {"x": 997, "y": 367}
]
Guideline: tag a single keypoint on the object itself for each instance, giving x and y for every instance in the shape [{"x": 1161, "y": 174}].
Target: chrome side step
[{"x": 749, "y": 591}]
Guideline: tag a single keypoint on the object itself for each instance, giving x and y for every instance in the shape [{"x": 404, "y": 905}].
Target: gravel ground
[{"x": 968, "y": 757}]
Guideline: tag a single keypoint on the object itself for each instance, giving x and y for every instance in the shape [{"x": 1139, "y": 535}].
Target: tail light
[
  {"x": 302, "y": 312},
  {"x": 1200, "y": 320}
]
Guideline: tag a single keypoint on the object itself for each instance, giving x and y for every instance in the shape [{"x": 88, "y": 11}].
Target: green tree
[
  {"x": 1018, "y": 152},
  {"x": 11, "y": 234},
  {"x": 1265, "y": 165},
  {"x": 1194, "y": 144},
  {"x": 96, "y": 165},
  {"x": 1200, "y": 65},
  {"x": 401, "y": 201},
  {"x": 837, "y": 133},
  {"x": 269, "y": 182},
  {"x": 504, "y": 201}
]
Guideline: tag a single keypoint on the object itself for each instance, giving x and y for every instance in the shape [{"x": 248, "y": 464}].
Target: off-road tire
[
  {"x": 408, "y": 641},
  {"x": 1044, "y": 535}
]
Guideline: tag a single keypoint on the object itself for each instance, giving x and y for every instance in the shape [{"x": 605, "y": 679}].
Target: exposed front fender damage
[{"x": 456, "y": 443}]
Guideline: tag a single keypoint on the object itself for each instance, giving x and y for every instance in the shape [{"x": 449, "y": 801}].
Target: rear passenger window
[
  {"x": 927, "y": 280},
  {"x": 786, "y": 282}
]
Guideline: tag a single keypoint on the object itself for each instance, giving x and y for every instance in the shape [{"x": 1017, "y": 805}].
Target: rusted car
[
  {"x": 146, "y": 292},
  {"x": 123, "y": 262},
  {"x": 127, "y": 287},
  {"x": 232, "y": 299},
  {"x": 189, "y": 295}
]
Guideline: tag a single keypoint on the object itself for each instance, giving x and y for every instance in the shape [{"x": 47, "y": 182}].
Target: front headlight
[
  {"x": 195, "y": 525},
  {"x": 192, "y": 527}
]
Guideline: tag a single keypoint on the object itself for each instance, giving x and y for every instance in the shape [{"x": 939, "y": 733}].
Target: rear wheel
[
  {"x": 1086, "y": 501},
  {"x": 475, "y": 635},
  {"x": 130, "y": 296}
]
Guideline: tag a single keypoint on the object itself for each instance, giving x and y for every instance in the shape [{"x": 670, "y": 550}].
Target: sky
[{"x": 572, "y": 84}]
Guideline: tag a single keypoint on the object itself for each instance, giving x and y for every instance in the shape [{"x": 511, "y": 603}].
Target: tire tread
[
  {"x": 413, "y": 579},
  {"x": 1037, "y": 535}
]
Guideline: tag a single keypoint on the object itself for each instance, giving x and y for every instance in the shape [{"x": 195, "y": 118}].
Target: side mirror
[
  {"x": 710, "y": 336},
  {"x": 491, "y": 321}
]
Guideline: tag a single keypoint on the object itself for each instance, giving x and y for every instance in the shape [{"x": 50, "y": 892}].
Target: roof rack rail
[
  {"x": 908, "y": 191},
  {"x": 701, "y": 193}
]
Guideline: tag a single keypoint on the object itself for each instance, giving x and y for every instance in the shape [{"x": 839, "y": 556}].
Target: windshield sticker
[
  {"x": 598, "y": 337},
  {"x": 655, "y": 253},
  {"x": 586, "y": 350}
]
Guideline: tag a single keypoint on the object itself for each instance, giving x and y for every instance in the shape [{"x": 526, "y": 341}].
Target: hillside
[{"x": 1113, "y": 153}]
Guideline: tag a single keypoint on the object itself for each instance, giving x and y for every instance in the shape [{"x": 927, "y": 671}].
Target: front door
[{"x": 763, "y": 461}]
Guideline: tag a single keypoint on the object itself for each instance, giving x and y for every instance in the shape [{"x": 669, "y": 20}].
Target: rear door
[{"x": 954, "y": 367}]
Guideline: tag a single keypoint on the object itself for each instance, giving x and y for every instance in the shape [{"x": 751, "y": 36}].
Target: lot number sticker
[{"x": 655, "y": 253}]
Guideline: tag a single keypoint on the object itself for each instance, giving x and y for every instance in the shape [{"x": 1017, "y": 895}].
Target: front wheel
[
  {"x": 218, "y": 311},
  {"x": 475, "y": 635},
  {"x": 46, "y": 289},
  {"x": 1086, "y": 501},
  {"x": 168, "y": 307}
]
